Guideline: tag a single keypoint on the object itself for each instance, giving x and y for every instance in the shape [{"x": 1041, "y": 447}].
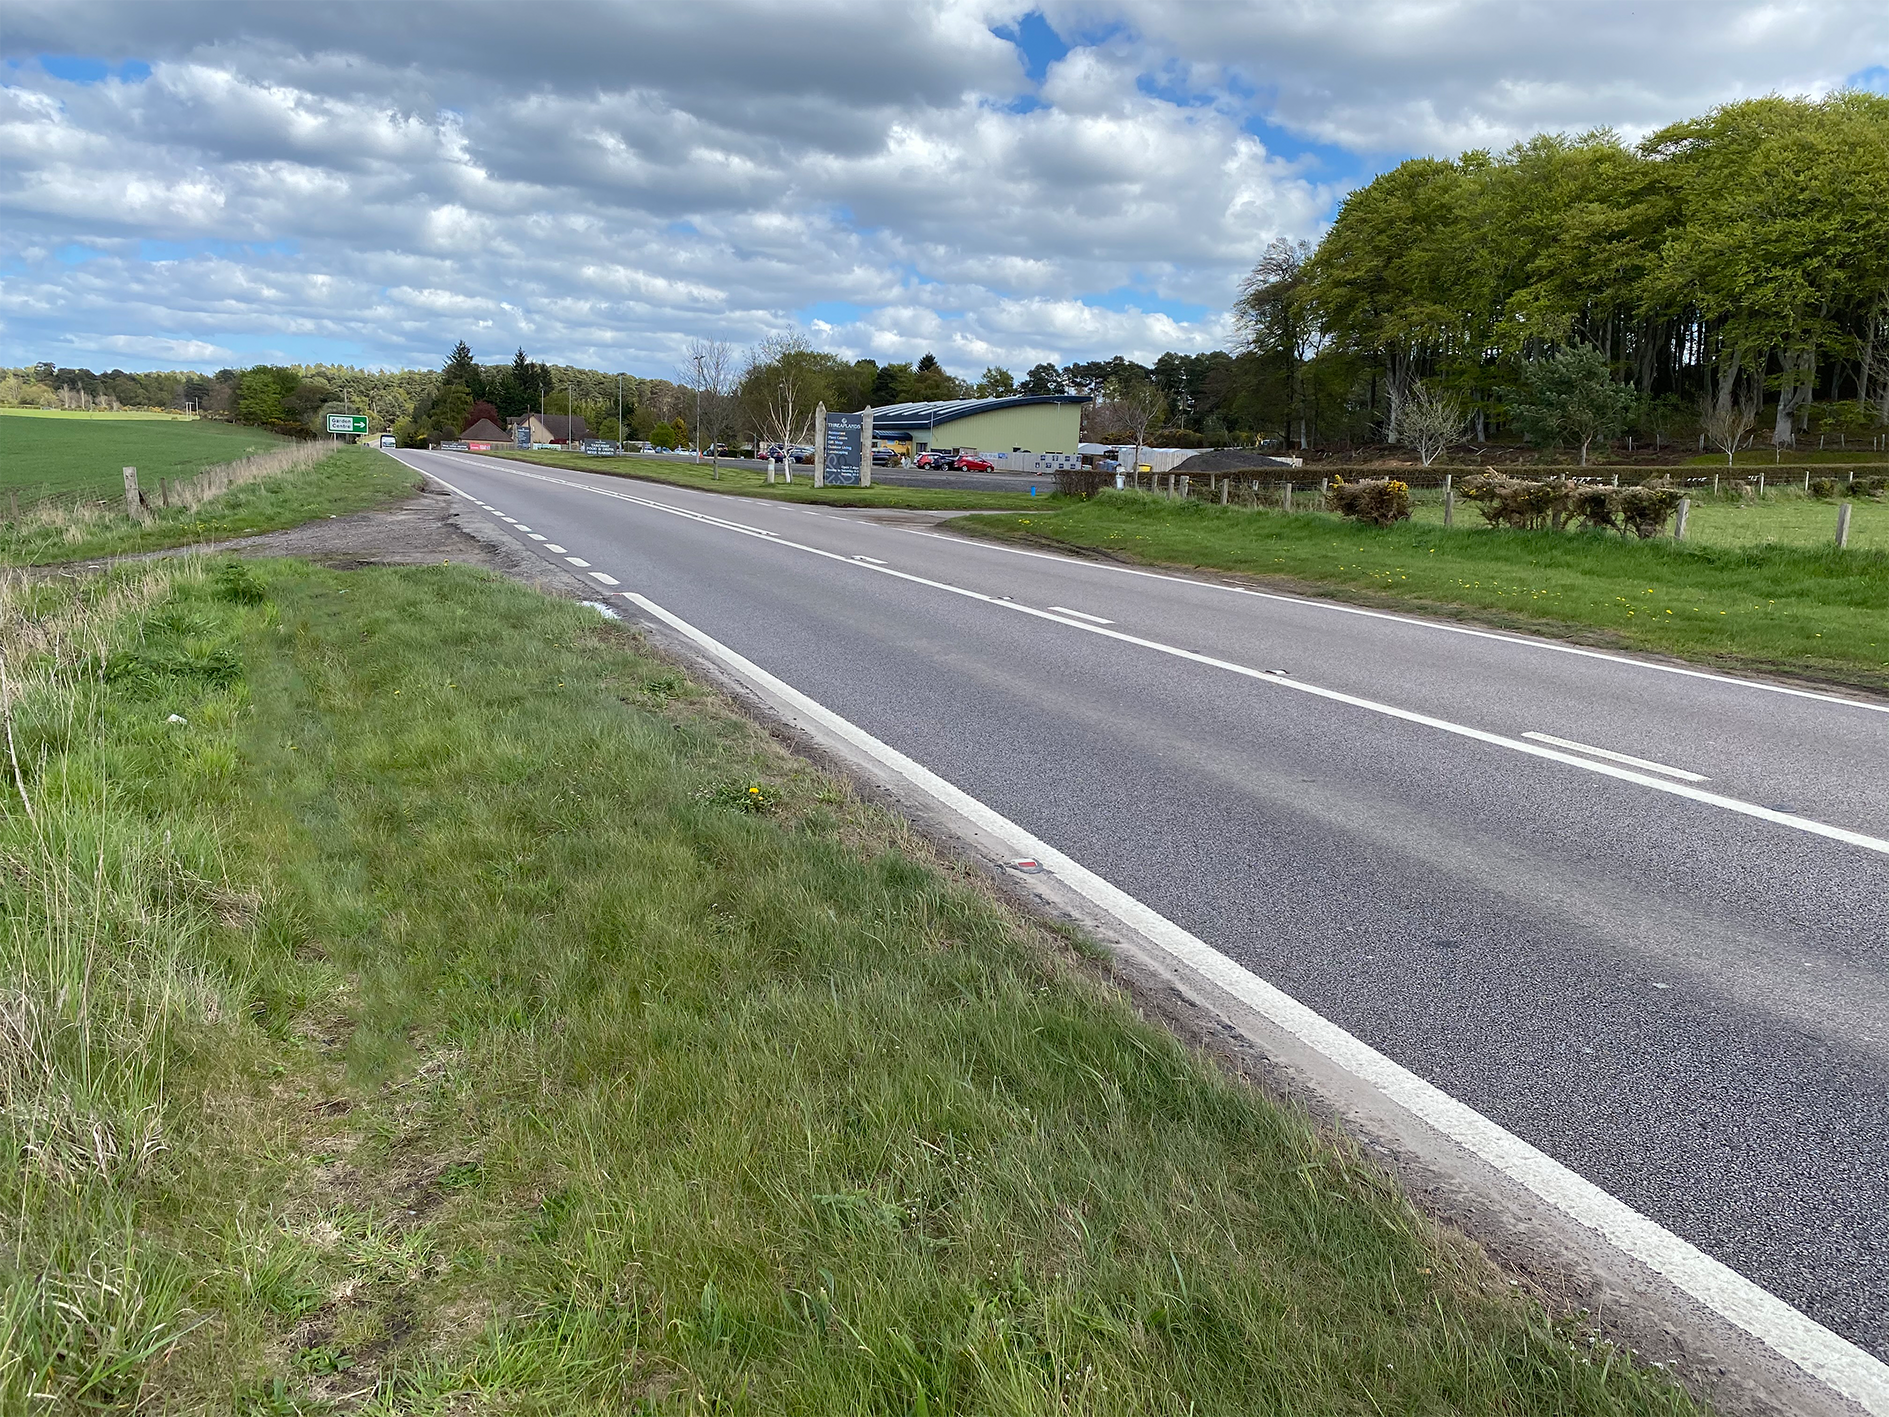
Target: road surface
[{"x": 1639, "y": 917}]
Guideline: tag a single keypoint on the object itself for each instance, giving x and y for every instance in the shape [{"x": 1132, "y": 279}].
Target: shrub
[
  {"x": 1522, "y": 503},
  {"x": 1645, "y": 510},
  {"x": 1082, "y": 482},
  {"x": 1866, "y": 487},
  {"x": 1380, "y": 501},
  {"x": 1824, "y": 488}
]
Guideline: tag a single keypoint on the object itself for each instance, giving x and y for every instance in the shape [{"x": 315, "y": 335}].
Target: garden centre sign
[
  {"x": 347, "y": 423},
  {"x": 842, "y": 449}
]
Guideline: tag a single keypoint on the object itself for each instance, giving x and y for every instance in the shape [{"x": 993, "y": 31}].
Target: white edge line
[
  {"x": 1627, "y": 758},
  {"x": 1417, "y": 621},
  {"x": 1080, "y": 614},
  {"x": 1792, "y": 820},
  {"x": 606, "y": 580},
  {"x": 1827, "y": 1356},
  {"x": 1824, "y": 1355}
]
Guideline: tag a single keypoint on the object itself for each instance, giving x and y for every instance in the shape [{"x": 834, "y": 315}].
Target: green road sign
[{"x": 347, "y": 423}]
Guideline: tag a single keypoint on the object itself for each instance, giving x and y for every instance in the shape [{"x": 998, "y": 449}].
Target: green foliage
[
  {"x": 1378, "y": 501},
  {"x": 1571, "y": 394},
  {"x": 1722, "y": 252}
]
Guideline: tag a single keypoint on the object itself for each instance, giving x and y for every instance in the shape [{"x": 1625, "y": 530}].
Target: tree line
[{"x": 1726, "y": 271}]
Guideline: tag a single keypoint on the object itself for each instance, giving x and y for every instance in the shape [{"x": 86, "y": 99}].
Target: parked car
[
  {"x": 939, "y": 461},
  {"x": 883, "y": 457},
  {"x": 971, "y": 462}
]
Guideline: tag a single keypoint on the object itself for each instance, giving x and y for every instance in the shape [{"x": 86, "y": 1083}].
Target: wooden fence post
[
  {"x": 1843, "y": 525},
  {"x": 1449, "y": 499},
  {"x": 1183, "y": 487},
  {"x": 131, "y": 493},
  {"x": 1225, "y": 487},
  {"x": 1285, "y": 499},
  {"x": 1679, "y": 519}
]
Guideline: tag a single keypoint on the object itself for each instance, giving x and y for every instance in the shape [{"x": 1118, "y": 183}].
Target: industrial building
[{"x": 1036, "y": 423}]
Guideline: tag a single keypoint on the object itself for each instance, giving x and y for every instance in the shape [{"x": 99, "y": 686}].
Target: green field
[
  {"x": 1807, "y": 610},
  {"x": 56, "y": 454},
  {"x": 348, "y": 479},
  {"x": 750, "y": 482},
  {"x": 422, "y": 999},
  {"x": 1785, "y": 518}
]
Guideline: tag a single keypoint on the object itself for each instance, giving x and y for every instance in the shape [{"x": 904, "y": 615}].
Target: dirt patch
[{"x": 430, "y": 529}]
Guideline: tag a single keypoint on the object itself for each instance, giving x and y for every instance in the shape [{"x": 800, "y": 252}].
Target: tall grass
[
  {"x": 97, "y": 975},
  {"x": 75, "y": 520}
]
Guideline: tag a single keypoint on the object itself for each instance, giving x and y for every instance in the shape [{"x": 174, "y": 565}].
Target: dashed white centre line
[
  {"x": 1626, "y": 758},
  {"x": 577, "y": 560},
  {"x": 1081, "y": 615}
]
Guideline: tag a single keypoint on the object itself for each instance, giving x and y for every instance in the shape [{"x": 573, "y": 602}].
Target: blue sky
[{"x": 196, "y": 184}]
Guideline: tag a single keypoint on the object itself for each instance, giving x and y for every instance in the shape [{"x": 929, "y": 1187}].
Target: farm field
[
  {"x": 479, "y": 1009},
  {"x": 1736, "y": 595},
  {"x": 346, "y": 479},
  {"x": 52, "y": 453}
]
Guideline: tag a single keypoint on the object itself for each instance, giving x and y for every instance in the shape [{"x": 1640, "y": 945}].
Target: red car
[
  {"x": 970, "y": 462},
  {"x": 934, "y": 460}
]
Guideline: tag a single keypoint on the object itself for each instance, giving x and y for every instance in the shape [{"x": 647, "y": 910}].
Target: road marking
[
  {"x": 1825, "y": 1356},
  {"x": 502, "y": 517},
  {"x": 1791, "y": 820},
  {"x": 1081, "y": 615},
  {"x": 577, "y": 560},
  {"x": 553, "y": 546},
  {"x": 1422, "y": 624},
  {"x": 536, "y": 537},
  {"x": 521, "y": 527},
  {"x": 600, "y": 576},
  {"x": 1627, "y": 758},
  {"x": 870, "y": 560}
]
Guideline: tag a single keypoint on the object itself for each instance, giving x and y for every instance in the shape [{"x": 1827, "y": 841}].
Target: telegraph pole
[{"x": 698, "y": 408}]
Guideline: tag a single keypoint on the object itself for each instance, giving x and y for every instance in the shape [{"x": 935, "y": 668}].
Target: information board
[{"x": 843, "y": 438}]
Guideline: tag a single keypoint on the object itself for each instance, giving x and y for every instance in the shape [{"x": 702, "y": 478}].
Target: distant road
[{"x": 1638, "y": 917}]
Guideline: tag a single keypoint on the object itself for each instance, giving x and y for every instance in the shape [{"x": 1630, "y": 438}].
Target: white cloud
[{"x": 375, "y": 181}]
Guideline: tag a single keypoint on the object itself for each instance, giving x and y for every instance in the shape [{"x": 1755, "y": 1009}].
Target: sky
[{"x": 197, "y": 185}]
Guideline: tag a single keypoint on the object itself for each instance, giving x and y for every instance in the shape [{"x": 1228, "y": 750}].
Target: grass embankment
[
  {"x": 460, "y": 1011},
  {"x": 83, "y": 455},
  {"x": 1779, "y": 608},
  {"x": 336, "y": 481},
  {"x": 752, "y": 482}
]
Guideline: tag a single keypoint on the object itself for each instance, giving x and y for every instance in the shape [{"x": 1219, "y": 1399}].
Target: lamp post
[
  {"x": 619, "y": 413},
  {"x": 698, "y": 408}
]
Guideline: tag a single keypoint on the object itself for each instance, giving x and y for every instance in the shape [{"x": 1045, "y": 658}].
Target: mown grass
[
  {"x": 421, "y": 999},
  {"x": 752, "y": 482},
  {"x": 58, "y": 454},
  {"x": 1777, "y": 608},
  {"x": 348, "y": 479}
]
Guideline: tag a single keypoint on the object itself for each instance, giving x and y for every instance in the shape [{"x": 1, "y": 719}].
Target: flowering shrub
[
  {"x": 1378, "y": 500},
  {"x": 1555, "y": 503}
]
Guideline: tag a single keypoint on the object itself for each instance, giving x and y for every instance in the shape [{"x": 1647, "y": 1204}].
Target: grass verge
[
  {"x": 752, "y": 482},
  {"x": 1783, "y": 609},
  {"x": 60, "y": 454},
  {"x": 420, "y": 999},
  {"x": 348, "y": 479}
]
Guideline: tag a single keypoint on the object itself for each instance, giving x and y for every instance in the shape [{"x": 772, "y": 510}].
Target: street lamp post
[{"x": 698, "y": 409}]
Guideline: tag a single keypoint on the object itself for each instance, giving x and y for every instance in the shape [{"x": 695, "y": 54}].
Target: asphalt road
[{"x": 1677, "y": 986}]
